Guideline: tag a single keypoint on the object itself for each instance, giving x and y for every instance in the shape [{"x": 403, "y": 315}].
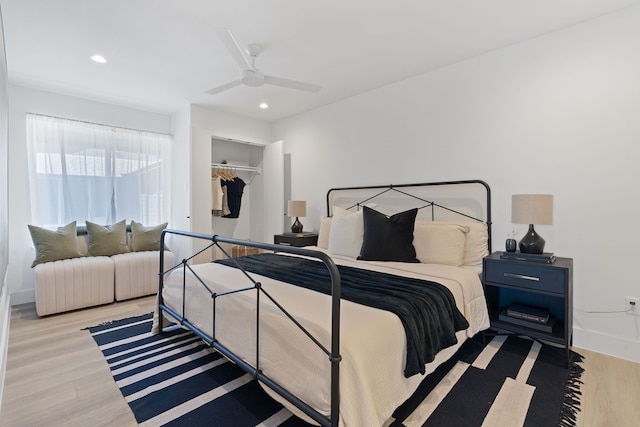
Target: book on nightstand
[
  {"x": 528, "y": 312},
  {"x": 546, "y": 258},
  {"x": 542, "y": 320},
  {"x": 548, "y": 327}
]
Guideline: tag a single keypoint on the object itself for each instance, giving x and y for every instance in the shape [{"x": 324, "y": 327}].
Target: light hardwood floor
[{"x": 56, "y": 376}]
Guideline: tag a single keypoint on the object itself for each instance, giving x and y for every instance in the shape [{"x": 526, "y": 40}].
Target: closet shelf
[{"x": 253, "y": 169}]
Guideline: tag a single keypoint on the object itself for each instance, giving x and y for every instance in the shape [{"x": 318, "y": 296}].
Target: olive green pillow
[
  {"x": 54, "y": 245},
  {"x": 109, "y": 240},
  {"x": 146, "y": 238}
]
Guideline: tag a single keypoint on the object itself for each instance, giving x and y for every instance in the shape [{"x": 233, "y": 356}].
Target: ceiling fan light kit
[{"x": 250, "y": 75}]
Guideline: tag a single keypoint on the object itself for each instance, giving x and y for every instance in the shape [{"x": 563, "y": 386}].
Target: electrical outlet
[{"x": 632, "y": 304}]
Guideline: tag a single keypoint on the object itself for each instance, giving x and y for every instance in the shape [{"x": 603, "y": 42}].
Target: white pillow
[
  {"x": 346, "y": 233},
  {"x": 438, "y": 243},
  {"x": 476, "y": 245},
  {"x": 323, "y": 234}
]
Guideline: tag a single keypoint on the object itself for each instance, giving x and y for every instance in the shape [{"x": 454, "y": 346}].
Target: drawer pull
[{"x": 521, "y": 276}]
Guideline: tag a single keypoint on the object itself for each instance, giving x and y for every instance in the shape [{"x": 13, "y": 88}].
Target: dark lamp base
[
  {"x": 297, "y": 226},
  {"x": 532, "y": 242}
]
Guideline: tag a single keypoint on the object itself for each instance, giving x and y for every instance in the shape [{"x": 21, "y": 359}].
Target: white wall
[
  {"x": 557, "y": 114},
  {"x": 180, "y": 181},
  {"x": 23, "y": 101},
  {"x": 231, "y": 126},
  {"x": 4, "y": 213}
]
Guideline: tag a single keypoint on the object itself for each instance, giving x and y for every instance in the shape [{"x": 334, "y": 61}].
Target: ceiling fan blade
[
  {"x": 292, "y": 84},
  {"x": 224, "y": 87},
  {"x": 234, "y": 48}
]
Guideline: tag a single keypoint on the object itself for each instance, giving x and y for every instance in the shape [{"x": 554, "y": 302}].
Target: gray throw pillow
[
  {"x": 146, "y": 238},
  {"x": 109, "y": 240},
  {"x": 54, "y": 245}
]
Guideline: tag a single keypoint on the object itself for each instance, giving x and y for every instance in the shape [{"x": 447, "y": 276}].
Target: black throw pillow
[{"x": 388, "y": 238}]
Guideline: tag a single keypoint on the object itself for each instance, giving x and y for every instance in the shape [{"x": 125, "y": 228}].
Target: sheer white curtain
[{"x": 84, "y": 171}]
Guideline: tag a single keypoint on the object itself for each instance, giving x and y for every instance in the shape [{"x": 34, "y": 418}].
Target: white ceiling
[{"x": 163, "y": 54}]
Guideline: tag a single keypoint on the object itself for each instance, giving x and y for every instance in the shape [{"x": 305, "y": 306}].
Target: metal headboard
[{"x": 468, "y": 200}]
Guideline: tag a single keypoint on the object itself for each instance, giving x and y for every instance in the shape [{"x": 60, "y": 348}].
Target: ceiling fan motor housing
[{"x": 252, "y": 78}]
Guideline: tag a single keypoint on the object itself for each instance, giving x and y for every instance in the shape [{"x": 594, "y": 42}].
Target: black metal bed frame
[{"x": 334, "y": 353}]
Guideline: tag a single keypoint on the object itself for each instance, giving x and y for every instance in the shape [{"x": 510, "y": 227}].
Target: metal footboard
[{"x": 333, "y": 354}]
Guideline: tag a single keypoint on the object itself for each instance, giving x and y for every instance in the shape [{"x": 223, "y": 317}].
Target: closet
[{"x": 258, "y": 170}]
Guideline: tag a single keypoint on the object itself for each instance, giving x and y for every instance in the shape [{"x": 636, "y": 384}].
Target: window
[{"x": 83, "y": 171}]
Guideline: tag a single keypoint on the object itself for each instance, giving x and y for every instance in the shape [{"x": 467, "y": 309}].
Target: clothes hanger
[{"x": 229, "y": 175}]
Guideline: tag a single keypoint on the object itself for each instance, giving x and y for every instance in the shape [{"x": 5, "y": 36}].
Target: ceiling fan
[{"x": 251, "y": 76}]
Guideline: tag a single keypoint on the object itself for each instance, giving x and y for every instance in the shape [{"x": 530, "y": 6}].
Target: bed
[{"x": 327, "y": 357}]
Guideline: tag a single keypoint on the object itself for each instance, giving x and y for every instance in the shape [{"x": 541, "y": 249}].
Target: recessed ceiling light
[
  {"x": 264, "y": 105},
  {"x": 98, "y": 58}
]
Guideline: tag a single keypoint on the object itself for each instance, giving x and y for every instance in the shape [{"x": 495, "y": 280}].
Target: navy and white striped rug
[{"x": 177, "y": 380}]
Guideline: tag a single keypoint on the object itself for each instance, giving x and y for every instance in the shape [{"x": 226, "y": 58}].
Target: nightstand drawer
[{"x": 525, "y": 275}]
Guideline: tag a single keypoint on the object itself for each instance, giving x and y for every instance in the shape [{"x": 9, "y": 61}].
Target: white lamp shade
[
  {"x": 296, "y": 208},
  {"x": 532, "y": 209}
]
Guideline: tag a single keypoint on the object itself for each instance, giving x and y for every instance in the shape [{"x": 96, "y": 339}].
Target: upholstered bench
[
  {"x": 69, "y": 284},
  {"x": 136, "y": 273},
  {"x": 100, "y": 265}
]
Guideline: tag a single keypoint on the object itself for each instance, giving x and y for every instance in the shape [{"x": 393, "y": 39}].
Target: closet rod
[{"x": 236, "y": 167}]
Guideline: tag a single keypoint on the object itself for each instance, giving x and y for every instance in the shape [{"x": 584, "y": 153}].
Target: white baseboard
[
  {"x": 5, "y": 317},
  {"x": 23, "y": 297},
  {"x": 606, "y": 344}
]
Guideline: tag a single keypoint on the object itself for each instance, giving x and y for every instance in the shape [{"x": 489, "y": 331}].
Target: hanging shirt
[
  {"x": 235, "y": 188},
  {"x": 225, "y": 206},
  {"x": 216, "y": 196}
]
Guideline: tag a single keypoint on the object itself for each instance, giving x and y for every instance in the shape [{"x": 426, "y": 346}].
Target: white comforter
[{"x": 373, "y": 341}]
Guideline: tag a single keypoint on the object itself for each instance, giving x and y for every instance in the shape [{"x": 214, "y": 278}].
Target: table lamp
[
  {"x": 532, "y": 209},
  {"x": 296, "y": 208}
]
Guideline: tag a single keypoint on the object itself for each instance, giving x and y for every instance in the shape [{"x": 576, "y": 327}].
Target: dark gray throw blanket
[{"x": 426, "y": 309}]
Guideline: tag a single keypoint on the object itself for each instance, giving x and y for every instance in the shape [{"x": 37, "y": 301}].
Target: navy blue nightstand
[{"x": 545, "y": 286}]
